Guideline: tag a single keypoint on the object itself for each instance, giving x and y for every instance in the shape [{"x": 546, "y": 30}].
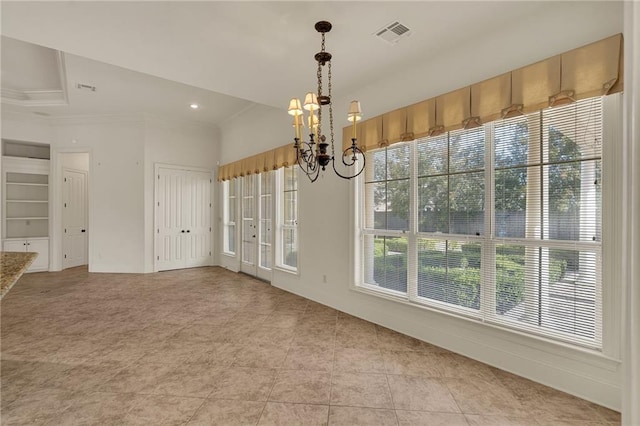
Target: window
[
  {"x": 229, "y": 233},
  {"x": 288, "y": 218},
  {"x": 500, "y": 223},
  {"x": 266, "y": 189}
]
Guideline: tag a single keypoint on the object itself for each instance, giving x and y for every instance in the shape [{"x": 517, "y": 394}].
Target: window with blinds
[
  {"x": 229, "y": 217},
  {"x": 501, "y": 223},
  {"x": 266, "y": 188},
  {"x": 288, "y": 218}
]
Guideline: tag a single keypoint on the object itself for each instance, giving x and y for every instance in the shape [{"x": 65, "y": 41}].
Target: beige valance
[
  {"x": 591, "y": 70},
  {"x": 273, "y": 159}
]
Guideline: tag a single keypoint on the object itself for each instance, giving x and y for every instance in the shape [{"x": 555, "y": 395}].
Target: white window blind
[
  {"x": 547, "y": 223},
  {"x": 501, "y": 223},
  {"x": 288, "y": 218}
]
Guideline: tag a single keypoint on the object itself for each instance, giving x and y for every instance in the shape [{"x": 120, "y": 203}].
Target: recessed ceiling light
[{"x": 194, "y": 106}]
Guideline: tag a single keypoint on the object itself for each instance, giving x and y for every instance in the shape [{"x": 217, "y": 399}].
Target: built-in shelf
[
  {"x": 28, "y": 218},
  {"x": 27, "y": 184},
  {"x": 25, "y": 198}
]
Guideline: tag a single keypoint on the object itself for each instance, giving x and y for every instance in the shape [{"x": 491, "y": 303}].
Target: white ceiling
[{"x": 261, "y": 52}]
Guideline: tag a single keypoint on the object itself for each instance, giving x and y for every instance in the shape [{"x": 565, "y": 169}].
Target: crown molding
[
  {"x": 40, "y": 98},
  {"x": 23, "y": 116},
  {"x": 96, "y": 119}
]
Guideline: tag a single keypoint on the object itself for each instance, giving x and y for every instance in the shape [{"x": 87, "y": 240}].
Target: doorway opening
[{"x": 75, "y": 209}]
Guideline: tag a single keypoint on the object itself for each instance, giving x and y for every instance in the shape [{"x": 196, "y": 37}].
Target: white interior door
[
  {"x": 74, "y": 218},
  {"x": 197, "y": 218},
  {"x": 183, "y": 218},
  {"x": 169, "y": 198}
]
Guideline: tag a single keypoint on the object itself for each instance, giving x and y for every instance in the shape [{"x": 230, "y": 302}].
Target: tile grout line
[{"x": 333, "y": 364}]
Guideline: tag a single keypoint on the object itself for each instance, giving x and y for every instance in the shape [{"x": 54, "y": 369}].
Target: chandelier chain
[
  {"x": 333, "y": 150},
  {"x": 319, "y": 75}
]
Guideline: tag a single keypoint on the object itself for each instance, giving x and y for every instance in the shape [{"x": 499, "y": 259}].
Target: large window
[
  {"x": 287, "y": 257},
  {"x": 501, "y": 223},
  {"x": 229, "y": 217}
]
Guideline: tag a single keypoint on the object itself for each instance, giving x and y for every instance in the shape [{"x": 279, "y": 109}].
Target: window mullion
[
  {"x": 488, "y": 249},
  {"x": 412, "y": 242}
]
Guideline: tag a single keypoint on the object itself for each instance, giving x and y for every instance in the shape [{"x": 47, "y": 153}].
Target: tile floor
[{"x": 207, "y": 346}]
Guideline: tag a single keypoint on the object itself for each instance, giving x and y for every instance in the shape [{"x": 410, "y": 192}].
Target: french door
[{"x": 257, "y": 225}]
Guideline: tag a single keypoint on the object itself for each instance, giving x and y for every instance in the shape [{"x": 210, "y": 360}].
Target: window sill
[
  {"x": 578, "y": 353},
  {"x": 291, "y": 271}
]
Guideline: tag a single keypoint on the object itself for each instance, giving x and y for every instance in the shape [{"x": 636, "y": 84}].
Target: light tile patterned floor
[{"x": 207, "y": 346}]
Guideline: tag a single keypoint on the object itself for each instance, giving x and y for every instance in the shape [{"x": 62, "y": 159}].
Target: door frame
[
  {"x": 86, "y": 211},
  {"x": 256, "y": 270},
  {"x": 245, "y": 267},
  {"x": 56, "y": 249},
  {"x": 156, "y": 188}
]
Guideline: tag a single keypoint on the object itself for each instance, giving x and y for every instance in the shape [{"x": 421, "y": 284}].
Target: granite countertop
[{"x": 12, "y": 266}]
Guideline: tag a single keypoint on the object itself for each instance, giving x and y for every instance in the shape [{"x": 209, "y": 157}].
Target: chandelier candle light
[{"x": 312, "y": 156}]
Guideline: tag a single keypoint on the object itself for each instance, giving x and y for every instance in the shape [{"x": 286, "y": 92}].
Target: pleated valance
[
  {"x": 591, "y": 70},
  {"x": 273, "y": 159}
]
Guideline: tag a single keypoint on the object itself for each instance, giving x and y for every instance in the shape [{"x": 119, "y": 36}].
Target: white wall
[
  {"x": 122, "y": 151},
  {"x": 325, "y": 215},
  {"x": 25, "y": 127},
  {"x": 116, "y": 189},
  {"x": 182, "y": 144},
  {"x": 258, "y": 129},
  {"x": 76, "y": 161}
]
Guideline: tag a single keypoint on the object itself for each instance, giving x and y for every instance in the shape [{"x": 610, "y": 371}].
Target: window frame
[
  {"x": 608, "y": 342},
  {"x": 227, "y": 221},
  {"x": 281, "y": 227}
]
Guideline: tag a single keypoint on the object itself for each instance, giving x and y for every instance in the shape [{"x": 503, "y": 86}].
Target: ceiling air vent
[
  {"x": 393, "y": 32},
  {"x": 88, "y": 87}
]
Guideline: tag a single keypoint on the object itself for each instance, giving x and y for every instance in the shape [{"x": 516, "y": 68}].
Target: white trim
[
  {"x": 55, "y": 207},
  {"x": 631, "y": 226},
  {"x": 613, "y": 251}
]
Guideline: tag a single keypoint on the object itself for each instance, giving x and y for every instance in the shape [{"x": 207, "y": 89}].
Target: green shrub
[
  {"x": 397, "y": 245},
  {"x": 509, "y": 283},
  {"x": 459, "y": 286},
  {"x": 391, "y": 271},
  {"x": 454, "y": 277},
  {"x": 471, "y": 253}
]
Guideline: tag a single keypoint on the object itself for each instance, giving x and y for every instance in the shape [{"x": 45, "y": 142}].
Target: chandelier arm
[
  {"x": 354, "y": 151},
  {"x": 305, "y": 157}
]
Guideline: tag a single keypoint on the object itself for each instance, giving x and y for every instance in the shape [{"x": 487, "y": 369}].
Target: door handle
[
  {"x": 188, "y": 230},
  {"x": 182, "y": 231},
  {"x": 253, "y": 236},
  {"x": 84, "y": 230}
]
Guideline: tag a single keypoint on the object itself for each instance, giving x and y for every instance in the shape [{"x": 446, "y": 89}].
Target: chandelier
[{"x": 312, "y": 156}]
